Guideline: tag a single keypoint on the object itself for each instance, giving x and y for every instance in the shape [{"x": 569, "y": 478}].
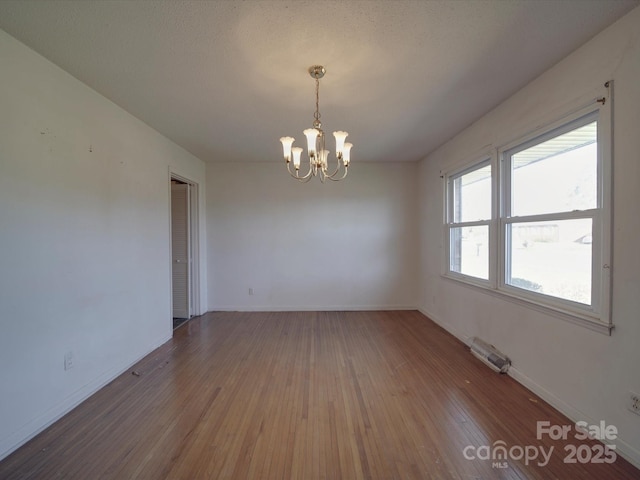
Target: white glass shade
[
  {"x": 324, "y": 154},
  {"x": 340, "y": 137},
  {"x": 312, "y": 135},
  {"x": 286, "y": 147},
  {"x": 296, "y": 156},
  {"x": 346, "y": 154}
]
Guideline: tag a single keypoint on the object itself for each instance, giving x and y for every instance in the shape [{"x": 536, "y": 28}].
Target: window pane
[
  {"x": 470, "y": 251},
  {"x": 559, "y": 175},
  {"x": 472, "y": 195},
  {"x": 553, "y": 258}
]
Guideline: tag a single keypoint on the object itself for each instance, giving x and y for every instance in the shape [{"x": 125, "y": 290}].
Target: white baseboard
[
  {"x": 447, "y": 326},
  {"x": 623, "y": 448},
  {"x": 47, "y": 418},
  {"x": 307, "y": 308}
]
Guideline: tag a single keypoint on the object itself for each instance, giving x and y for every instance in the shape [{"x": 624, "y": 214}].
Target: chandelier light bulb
[
  {"x": 312, "y": 136},
  {"x": 286, "y": 147},
  {"x": 346, "y": 154},
  {"x": 323, "y": 158},
  {"x": 296, "y": 157},
  {"x": 340, "y": 137}
]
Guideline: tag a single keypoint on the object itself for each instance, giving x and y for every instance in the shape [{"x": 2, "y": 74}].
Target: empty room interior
[{"x": 450, "y": 290}]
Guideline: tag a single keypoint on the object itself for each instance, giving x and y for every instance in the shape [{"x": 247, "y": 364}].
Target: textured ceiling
[{"x": 227, "y": 79}]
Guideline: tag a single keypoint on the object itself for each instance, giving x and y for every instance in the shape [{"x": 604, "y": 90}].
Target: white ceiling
[{"x": 227, "y": 79}]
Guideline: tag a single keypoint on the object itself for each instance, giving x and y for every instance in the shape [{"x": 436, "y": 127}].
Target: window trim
[{"x": 596, "y": 316}]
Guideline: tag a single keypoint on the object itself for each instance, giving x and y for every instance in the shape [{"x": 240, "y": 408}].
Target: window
[
  {"x": 550, "y": 208},
  {"x": 469, "y": 220},
  {"x": 546, "y": 242}
]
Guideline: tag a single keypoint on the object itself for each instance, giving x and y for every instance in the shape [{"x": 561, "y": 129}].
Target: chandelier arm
[
  {"x": 304, "y": 178},
  {"x": 330, "y": 177},
  {"x": 340, "y": 164}
]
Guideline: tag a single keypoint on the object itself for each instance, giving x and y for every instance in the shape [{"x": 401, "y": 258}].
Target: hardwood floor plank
[{"x": 303, "y": 395}]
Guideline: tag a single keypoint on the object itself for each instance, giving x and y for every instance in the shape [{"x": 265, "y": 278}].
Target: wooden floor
[{"x": 294, "y": 395}]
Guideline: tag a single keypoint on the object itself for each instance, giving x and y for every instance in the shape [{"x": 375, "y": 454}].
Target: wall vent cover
[{"x": 490, "y": 355}]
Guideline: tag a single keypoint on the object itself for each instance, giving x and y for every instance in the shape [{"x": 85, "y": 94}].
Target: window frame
[
  {"x": 450, "y": 223},
  {"x": 596, "y": 316}
]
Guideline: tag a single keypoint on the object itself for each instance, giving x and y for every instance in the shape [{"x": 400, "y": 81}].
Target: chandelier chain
[{"x": 316, "y": 115}]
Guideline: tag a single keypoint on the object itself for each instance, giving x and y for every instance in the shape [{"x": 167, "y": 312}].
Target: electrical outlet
[
  {"x": 251, "y": 291},
  {"x": 634, "y": 403},
  {"x": 68, "y": 360}
]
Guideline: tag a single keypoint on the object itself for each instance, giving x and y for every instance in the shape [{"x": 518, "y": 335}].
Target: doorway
[{"x": 184, "y": 250}]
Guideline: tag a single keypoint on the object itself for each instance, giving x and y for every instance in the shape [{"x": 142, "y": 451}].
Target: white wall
[
  {"x": 585, "y": 374},
  {"x": 345, "y": 245},
  {"x": 84, "y": 236}
]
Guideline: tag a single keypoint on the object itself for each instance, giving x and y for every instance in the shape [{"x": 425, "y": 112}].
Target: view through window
[{"x": 553, "y": 196}]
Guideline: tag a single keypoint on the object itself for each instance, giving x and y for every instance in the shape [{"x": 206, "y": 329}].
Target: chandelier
[{"x": 318, "y": 155}]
